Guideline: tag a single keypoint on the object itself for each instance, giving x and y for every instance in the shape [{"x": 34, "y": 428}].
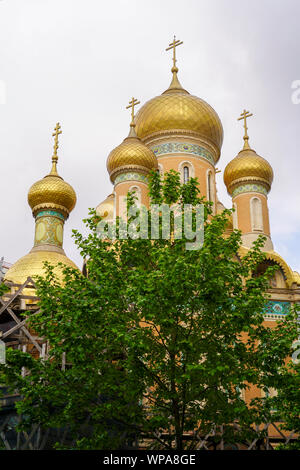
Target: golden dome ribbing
[
  {"x": 32, "y": 265},
  {"x": 106, "y": 208},
  {"x": 176, "y": 111},
  {"x": 52, "y": 192},
  {"x": 248, "y": 167},
  {"x": 56, "y": 198},
  {"x": 131, "y": 155}
]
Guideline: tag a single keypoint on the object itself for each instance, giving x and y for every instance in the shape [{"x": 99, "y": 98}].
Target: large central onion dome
[{"x": 178, "y": 112}]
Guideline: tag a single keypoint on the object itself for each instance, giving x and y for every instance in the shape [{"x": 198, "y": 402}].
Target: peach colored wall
[
  {"x": 244, "y": 214},
  {"x": 201, "y": 167},
  {"x": 121, "y": 189}
]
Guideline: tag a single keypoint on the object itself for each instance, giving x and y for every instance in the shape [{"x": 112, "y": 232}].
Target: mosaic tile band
[
  {"x": 49, "y": 214},
  {"x": 131, "y": 177},
  {"x": 182, "y": 147},
  {"x": 246, "y": 188},
  {"x": 276, "y": 309}
]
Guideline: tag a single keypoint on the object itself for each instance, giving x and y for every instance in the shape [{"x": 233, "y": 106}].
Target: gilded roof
[
  {"x": 177, "y": 110},
  {"x": 292, "y": 277},
  {"x": 247, "y": 166},
  {"x": 32, "y": 264},
  {"x": 106, "y": 208},
  {"x": 131, "y": 152},
  {"x": 50, "y": 192}
]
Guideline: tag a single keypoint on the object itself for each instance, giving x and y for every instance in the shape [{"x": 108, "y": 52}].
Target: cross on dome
[
  {"x": 57, "y": 131},
  {"x": 134, "y": 102},
  {"x": 173, "y": 46},
  {"x": 244, "y": 115}
]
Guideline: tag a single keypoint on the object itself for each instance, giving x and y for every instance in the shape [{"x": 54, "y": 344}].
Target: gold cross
[
  {"x": 244, "y": 115},
  {"x": 173, "y": 46},
  {"x": 55, "y": 134},
  {"x": 134, "y": 102}
]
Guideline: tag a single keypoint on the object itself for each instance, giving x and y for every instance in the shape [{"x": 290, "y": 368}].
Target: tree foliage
[{"x": 161, "y": 342}]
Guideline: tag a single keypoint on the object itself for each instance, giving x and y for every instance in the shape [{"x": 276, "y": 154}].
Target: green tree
[
  {"x": 286, "y": 405},
  {"x": 160, "y": 341}
]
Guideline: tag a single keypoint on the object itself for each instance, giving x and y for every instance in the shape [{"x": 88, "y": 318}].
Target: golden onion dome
[
  {"x": 106, "y": 208},
  {"x": 52, "y": 192},
  {"x": 176, "y": 111},
  {"x": 32, "y": 265},
  {"x": 248, "y": 167},
  {"x": 132, "y": 155}
]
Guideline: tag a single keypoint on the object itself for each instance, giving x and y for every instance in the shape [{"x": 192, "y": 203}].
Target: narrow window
[
  {"x": 235, "y": 216},
  {"x": 209, "y": 192},
  {"x": 256, "y": 214},
  {"x": 137, "y": 194},
  {"x": 186, "y": 174}
]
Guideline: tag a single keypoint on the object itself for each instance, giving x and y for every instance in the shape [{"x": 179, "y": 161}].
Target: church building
[
  {"x": 175, "y": 130},
  {"x": 172, "y": 131}
]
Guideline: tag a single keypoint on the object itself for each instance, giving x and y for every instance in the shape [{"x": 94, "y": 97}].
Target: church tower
[
  {"x": 51, "y": 200},
  {"x": 128, "y": 165},
  {"x": 174, "y": 130},
  {"x": 248, "y": 178},
  {"x": 184, "y": 132}
]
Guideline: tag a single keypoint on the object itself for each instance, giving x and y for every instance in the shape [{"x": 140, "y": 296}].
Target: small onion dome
[
  {"x": 32, "y": 265},
  {"x": 106, "y": 208},
  {"x": 246, "y": 168},
  {"x": 131, "y": 155},
  {"x": 178, "y": 112},
  {"x": 52, "y": 192}
]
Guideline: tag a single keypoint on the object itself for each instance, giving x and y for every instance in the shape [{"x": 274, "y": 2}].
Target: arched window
[
  {"x": 186, "y": 171},
  {"x": 186, "y": 174},
  {"x": 137, "y": 193},
  {"x": 256, "y": 214},
  {"x": 209, "y": 186}
]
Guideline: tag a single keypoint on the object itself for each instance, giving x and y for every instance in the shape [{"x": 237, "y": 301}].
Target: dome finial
[
  {"x": 173, "y": 46},
  {"x": 175, "y": 84},
  {"x": 134, "y": 102},
  {"x": 55, "y": 134},
  {"x": 244, "y": 115}
]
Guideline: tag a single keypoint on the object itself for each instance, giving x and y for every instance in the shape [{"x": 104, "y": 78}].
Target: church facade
[
  {"x": 184, "y": 133},
  {"x": 179, "y": 131}
]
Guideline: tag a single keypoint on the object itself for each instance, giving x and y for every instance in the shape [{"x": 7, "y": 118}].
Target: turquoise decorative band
[
  {"x": 276, "y": 309},
  {"x": 131, "y": 177},
  {"x": 182, "y": 147},
  {"x": 246, "y": 188},
  {"x": 50, "y": 213}
]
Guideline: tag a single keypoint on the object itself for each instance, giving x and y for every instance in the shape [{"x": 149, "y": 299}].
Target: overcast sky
[{"x": 80, "y": 61}]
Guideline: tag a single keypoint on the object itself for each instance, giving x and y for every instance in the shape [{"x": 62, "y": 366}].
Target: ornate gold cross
[
  {"x": 55, "y": 134},
  {"x": 134, "y": 102},
  {"x": 173, "y": 46},
  {"x": 244, "y": 115}
]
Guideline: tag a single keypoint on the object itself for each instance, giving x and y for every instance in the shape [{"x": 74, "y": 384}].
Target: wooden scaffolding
[{"x": 16, "y": 334}]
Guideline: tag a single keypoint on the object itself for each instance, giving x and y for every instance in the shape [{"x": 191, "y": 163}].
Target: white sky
[{"x": 80, "y": 61}]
